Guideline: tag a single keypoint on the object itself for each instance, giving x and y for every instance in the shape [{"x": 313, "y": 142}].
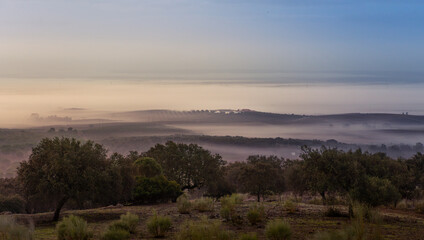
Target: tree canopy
[
  {"x": 189, "y": 165},
  {"x": 60, "y": 169}
]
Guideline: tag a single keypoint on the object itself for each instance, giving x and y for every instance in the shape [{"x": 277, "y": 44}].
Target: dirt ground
[{"x": 307, "y": 220}]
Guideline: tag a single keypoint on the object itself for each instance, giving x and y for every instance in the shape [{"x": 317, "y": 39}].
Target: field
[{"x": 305, "y": 221}]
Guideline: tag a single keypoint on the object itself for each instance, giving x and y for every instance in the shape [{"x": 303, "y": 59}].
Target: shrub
[
  {"x": 158, "y": 225},
  {"x": 375, "y": 191},
  {"x": 248, "y": 236},
  {"x": 256, "y": 214},
  {"x": 234, "y": 198},
  {"x": 204, "y": 204},
  {"x": 290, "y": 206},
  {"x": 13, "y": 204},
  {"x": 115, "y": 233},
  {"x": 229, "y": 205},
  {"x": 73, "y": 228},
  {"x": 345, "y": 234},
  {"x": 183, "y": 204},
  {"x": 155, "y": 189},
  {"x": 130, "y": 221},
  {"x": 203, "y": 230},
  {"x": 419, "y": 207},
  {"x": 10, "y": 230},
  {"x": 227, "y": 211},
  {"x": 278, "y": 230},
  {"x": 365, "y": 212}
]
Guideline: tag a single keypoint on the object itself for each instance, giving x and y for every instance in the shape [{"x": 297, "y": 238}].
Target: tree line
[{"x": 68, "y": 172}]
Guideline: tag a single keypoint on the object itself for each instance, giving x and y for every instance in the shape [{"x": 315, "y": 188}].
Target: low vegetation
[
  {"x": 10, "y": 230},
  {"x": 248, "y": 236},
  {"x": 64, "y": 173},
  {"x": 278, "y": 229},
  {"x": 12, "y": 204},
  {"x": 204, "y": 230},
  {"x": 116, "y": 233},
  {"x": 73, "y": 228},
  {"x": 204, "y": 204},
  {"x": 158, "y": 226},
  {"x": 256, "y": 214},
  {"x": 184, "y": 204}
]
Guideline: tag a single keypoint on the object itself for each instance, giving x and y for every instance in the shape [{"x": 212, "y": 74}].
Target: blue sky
[{"x": 287, "y": 41}]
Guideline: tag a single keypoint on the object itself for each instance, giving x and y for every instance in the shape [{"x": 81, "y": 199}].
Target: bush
[
  {"x": 278, "y": 230},
  {"x": 375, "y": 191},
  {"x": 419, "y": 207},
  {"x": 115, "y": 233},
  {"x": 204, "y": 204},
  {"x": 13, "y": 204},
  {"x": 73, "y": 228},
  {"x": 203, "y": 230},
  {"x": 183, "y": 204},
  {"x": 10, "y": 230},
  {"x": 290, "y": 206},
  {"x": 130, "y": 221},
  {"x": 127, "y": 222},
  {"x": 228, "y": 208},
  {"x": 365, "y": 213},
  {"x": 155, "y": 189},
  {"x": 358, "y": 228},
  {"x": 158, "y": 225},
  {"x": 345, "y": 234},
  {"x": 256, "y": 214},
  {"x": 248, "y": 236}
]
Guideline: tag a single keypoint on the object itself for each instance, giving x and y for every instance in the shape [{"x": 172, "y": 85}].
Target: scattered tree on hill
[
  {"x": 261, "y": 175},
  {"x": 61, "y": 169},
  {"x": 189, "y": 165},
  {"x": 151, "y": 185}
]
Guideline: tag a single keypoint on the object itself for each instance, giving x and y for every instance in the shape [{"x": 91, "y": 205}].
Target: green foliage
[
  {"x": 248, "y": 236},
  {"x": 375, "y": 191},
  {"x": 116, "y": 234},
  {"x": 204, "y": 230},
  {"x": 73, "y": 228},
  {"x": 158, "y": 225},
  {"x": 419, "y": 207},
  {"x": 127, "y": 222},
  {"x": 189, "y": 165},
  {"x": 10, "y": 230},
  {"x": 256, "y": 214},
  {"x": 374, "y": 179},
  {"x": 13, "y": 204},
  {"x": 260, "y": 175},
  {"x": 228, "y": 209},
  {"x": 364, "y": 212},
  {"x": 358, "y": 229},
  {"x": 290, "y": 206},
  {"x": 155, "y": 189},
  {"x": 148, "y": 167},
  {"x": 60, "y": 169},
  {"x": 278, "y": 229},
  {"x": 183, "y": 204},
  {"x": 204, "y": 204}
]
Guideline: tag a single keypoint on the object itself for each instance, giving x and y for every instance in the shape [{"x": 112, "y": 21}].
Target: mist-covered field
[{"x": 234, "y": 134}]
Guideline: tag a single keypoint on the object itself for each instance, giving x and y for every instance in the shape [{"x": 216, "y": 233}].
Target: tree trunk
[
  {"x": 58, "y": 208},
  {"x": 324, "y": 200},
  {"x": 259, "y": 197}
]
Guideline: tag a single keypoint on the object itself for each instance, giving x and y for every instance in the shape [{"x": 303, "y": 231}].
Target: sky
[{"x": 50, "y": 47}]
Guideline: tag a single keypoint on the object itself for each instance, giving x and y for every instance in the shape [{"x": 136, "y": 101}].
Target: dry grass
[{"x": 305, "y": 222}]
